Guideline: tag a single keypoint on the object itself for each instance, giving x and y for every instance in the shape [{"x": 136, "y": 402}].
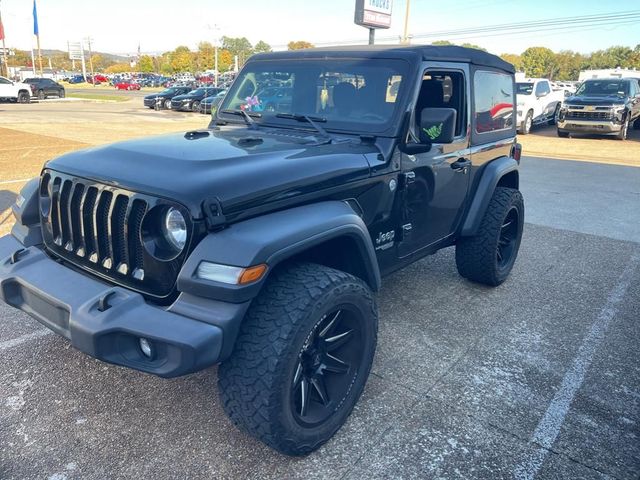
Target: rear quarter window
[{"x": 493, "y": 101}]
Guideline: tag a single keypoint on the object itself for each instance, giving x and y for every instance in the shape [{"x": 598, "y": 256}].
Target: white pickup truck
[
  {"x": 537, "y": 103},
  {"x": 14, "y": 91}
]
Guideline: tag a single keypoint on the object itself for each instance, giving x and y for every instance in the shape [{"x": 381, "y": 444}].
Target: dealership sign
[{"x": 373, "y": 13}]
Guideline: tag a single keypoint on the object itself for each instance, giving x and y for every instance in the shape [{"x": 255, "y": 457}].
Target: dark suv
[
  {"x": 259, "y": 243},
  {"x": 45, "y": 87},
  {"x": 605, "y": 106}
]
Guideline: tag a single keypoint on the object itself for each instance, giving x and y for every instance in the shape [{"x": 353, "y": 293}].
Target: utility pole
[
  {"x": 405, "y": 35},
  {"x": 93, "y": 77}
]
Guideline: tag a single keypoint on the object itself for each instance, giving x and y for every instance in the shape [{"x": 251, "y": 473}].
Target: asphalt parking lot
[{"x": 539, "y": 378}]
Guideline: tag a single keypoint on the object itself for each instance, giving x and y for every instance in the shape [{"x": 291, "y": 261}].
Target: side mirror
[{"x": 437, "y": 125}]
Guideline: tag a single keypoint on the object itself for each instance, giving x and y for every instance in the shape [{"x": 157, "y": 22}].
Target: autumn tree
[
  {"x": 145, "y": 64},
  {"x": 181, "y": 60},
  {"x": 513, "y": 59},
  {"x": 205, "y": 56},
  {"x": 299, "y": 45}
]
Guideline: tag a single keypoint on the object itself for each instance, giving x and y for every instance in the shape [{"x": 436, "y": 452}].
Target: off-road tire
[
  {"x": 563, "y": 134},
  {"x": 477, "y": 256},
  {"x": 527, "y": 123},
  {"x": 255, "y": 383}
]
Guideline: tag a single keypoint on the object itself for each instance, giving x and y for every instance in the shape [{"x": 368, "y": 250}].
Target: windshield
[
  {"x": 197, "y": 91},
  {"x": 604, "y": 87},
  {"x": 169, "y": 90},
  {"x": 350, "y": 94},
  {"x": 524, "y": 88}
]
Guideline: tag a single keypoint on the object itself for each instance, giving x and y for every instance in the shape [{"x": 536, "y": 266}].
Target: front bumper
[
  {"x": 605, "y": 127},
  {"x": 185, "y": 336},
  {"x": 150, "y": 102}
]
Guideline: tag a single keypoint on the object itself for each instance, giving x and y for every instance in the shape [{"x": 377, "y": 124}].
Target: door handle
[{"x": 461, "y": 165}]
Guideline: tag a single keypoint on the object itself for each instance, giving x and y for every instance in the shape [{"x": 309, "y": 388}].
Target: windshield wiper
[
  {"x": 247, "y": 117},
  {"x": 311, "y": 121}
]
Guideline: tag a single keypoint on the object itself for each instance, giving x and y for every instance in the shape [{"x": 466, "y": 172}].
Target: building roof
[{"x": 438, "y": 53}]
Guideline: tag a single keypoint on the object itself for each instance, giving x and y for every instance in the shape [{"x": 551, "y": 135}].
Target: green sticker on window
[{"x": 434, "y": 131}]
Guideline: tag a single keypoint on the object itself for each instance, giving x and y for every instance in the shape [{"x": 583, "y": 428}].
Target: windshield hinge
[{"x": 214, "y": 217}]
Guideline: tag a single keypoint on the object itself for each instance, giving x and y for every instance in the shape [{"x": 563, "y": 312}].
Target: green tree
[
  {"x": 539, "y": 62},
  {"x": 299, "y": 45},
  {"x": 568, "y": 65},
  {"x": 145, "y": 64},
  {"x": 473, "y": 45},
  {"x": 262, "y": 47},
  {"x": 441, "y": 42},
  {"x": 513, "y": 59}
]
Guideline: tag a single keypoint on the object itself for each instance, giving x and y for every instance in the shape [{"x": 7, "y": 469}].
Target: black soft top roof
[{"x": 439, "y": 53}]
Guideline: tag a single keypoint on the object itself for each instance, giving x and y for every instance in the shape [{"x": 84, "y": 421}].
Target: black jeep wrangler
[{"x": 259, "y": 242}]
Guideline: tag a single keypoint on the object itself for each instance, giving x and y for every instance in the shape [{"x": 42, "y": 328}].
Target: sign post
[
  {"x": 373, "y": 14},
  {"x": 76, "y": 52}
]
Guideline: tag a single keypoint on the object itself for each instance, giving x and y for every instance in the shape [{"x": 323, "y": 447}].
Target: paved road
[{"x": 539, "y": 378}]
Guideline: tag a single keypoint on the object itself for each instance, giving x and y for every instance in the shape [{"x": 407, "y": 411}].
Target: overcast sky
[{"x": 118, "y": 26}]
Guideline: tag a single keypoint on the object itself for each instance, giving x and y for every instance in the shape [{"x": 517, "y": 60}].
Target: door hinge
[{"x": 406, "y": 178}]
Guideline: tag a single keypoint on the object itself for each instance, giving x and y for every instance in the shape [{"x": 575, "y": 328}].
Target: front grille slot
[
  {"x": 100, "y": 228},
  {"x": 589, "y": 115}
]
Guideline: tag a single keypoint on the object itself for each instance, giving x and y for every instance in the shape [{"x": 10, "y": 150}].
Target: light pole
[
  {"x": 405, "y": 36},
  {"x": 215, "y": 29}
]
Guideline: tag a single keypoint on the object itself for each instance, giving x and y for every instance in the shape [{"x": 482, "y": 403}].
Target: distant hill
[{"x": 107, "y": 56}]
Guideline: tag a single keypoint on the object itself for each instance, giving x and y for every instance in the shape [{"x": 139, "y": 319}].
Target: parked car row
[{"x": 184, "y": 98}]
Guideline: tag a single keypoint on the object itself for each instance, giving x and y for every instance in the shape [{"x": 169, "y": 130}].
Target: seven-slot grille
[{"x": 100, "y": 228}]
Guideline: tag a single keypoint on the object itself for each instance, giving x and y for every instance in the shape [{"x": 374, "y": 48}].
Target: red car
[{"x": 127, "y": 86}]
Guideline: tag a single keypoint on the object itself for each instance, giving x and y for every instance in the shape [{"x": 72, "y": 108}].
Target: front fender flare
[{"x": 271, "y": 239}]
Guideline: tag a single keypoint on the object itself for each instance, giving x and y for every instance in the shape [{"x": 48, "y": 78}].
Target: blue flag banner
[{"x": 35, "y": 19}]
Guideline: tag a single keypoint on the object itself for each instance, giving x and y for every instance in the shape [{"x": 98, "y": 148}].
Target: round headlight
[{"x": 174, "y": 228}]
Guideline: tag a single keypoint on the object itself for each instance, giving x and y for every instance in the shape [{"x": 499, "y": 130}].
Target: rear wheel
[
  {"x": 41, "y": 95},
  {"x": 554, "y": 120},
  {"x": 489, "y": 255},
  {"x": 302, "y": 357},
  {"x": 24, "y": 97},
  {"x": 527, "y": 123},
  {"x": 61, "y": 93}
]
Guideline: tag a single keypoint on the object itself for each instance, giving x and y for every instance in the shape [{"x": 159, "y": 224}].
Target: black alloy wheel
[
  {"x": 508, "y": 240},
  {"x": 327, "y": 365}
]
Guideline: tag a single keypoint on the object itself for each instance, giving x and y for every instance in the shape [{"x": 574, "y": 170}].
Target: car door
[
  {"x": 545, "y": 105},
  {"x": 6, "y": 88},
  {"x": 435, "y": 183}
]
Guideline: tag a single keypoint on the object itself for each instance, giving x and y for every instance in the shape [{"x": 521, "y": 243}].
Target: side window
[
  {"x": 542, "y": 88},
  {"x": 4, "y": 81},
  {"x": 493, "y": 101},
  {"x": 443, "y": 89}
]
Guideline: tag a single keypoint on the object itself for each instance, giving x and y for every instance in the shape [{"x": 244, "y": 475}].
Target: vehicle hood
[
  {"x": 153, "y": 96},
  {"x": 231, "y": 164},
  {"x": 185, "y": 96},
  {"x": 595, "y": 100}
]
